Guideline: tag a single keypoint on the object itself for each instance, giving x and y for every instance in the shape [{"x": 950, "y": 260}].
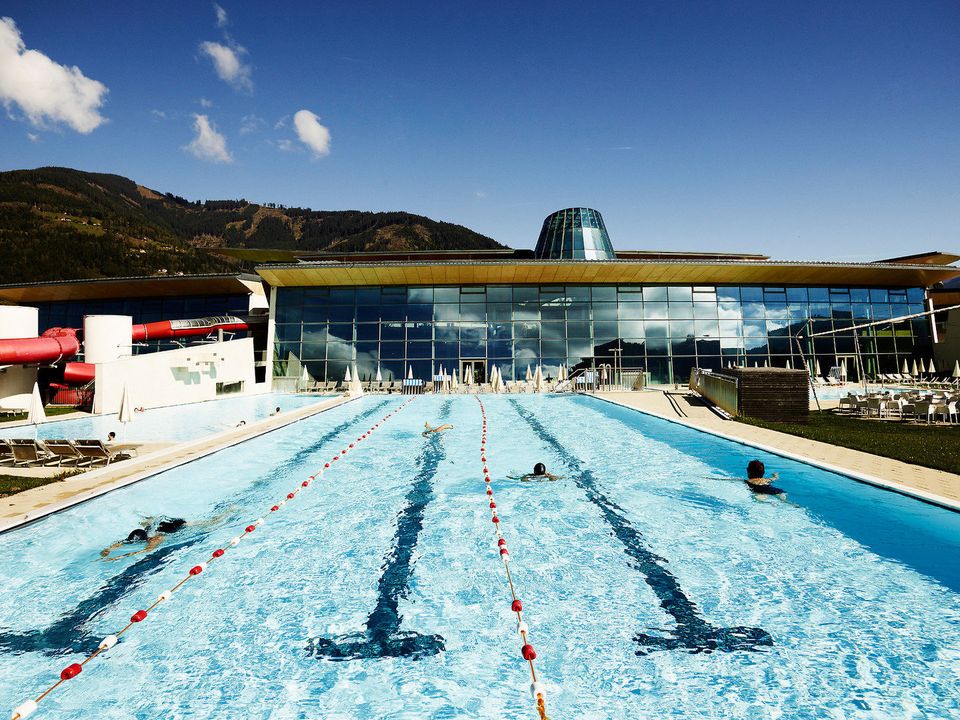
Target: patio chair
[
  {"x": 94, "y": 451},
  {"x": 29, "y": 452},
  {"x": 63, "y": 450},
  {"x": 947, "y": 411},
  {"x": 6, "y": 453}
]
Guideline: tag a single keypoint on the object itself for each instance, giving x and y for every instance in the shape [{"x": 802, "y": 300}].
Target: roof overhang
[
  {"x": 132, "y": 287},
  {"x": 544, "y": 272}
]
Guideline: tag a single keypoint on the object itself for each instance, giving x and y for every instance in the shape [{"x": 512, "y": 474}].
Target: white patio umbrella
[
  {"x": 468, "y": 375},
  {"x": 816, "y": 368},
  {"x": 956, "y": 369},
  {"x": 356, "y": 389},
  {"x": 379, "y": 375},
  {"x": 529, "y": 374},
  {"x": 538, "y": 379},
  {"x": 789, "y": 364},
  {"x": 906, "y": 367},
  {"x": 346, "y": 376},
  {"x": 914, "y": 373},
  {"x": 931, "y": 368},
  {"x": 35, "y": 413},
  {"x": 562, "y": 373},
  {"x": 453, "y": 381},
  {"x": 410, "y": 373},
  {"x": 766, "y": 363},
  {"x": 304, "y": 379},
  {"x": 126, "y": 410},
  {"x": 493, "y": 378}
]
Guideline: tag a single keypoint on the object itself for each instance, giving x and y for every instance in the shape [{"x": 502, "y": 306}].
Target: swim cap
[
  {"x": 539, "y": 469},
  {"x": 138, "y": 535}
]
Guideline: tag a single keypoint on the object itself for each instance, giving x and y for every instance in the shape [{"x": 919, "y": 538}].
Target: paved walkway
[
  {"x": 936, "y": 486},
  {"x": 32, "y": 504}
]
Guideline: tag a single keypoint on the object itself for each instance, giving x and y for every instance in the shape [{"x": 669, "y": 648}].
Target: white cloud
[
  {"x": 222, "y": 19},
  {"x": 281, "y": 123},
  {"x": 205, "y": 103},
  {"x": 311, "y": 133},
  {"x": 33, "y": 137},
  {"x": 45, "y": 90},
  {"x": 159, "y": 114},
  {"x": 286, "y": 145},
  {"x": 480, "y": 194},
  {"x": 208, "y": 145},
  {"x": 230, "y": 68},
  {"x": 251, "y": 123}
]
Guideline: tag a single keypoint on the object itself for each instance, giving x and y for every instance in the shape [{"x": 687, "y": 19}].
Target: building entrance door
[{"x": 477, "y": 367}]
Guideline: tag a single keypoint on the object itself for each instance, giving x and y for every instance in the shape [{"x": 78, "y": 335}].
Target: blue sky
[{"x": 801, "y": 129}]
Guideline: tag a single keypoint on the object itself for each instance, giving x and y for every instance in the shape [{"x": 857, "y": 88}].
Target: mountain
[{"x": 62, "y": 224}]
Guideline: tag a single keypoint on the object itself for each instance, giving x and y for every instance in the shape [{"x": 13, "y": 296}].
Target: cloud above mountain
[
  {"x": 311, "y": 133},
  {"x": 44, "y": 91},
  {"x": 208, "y": 144}
]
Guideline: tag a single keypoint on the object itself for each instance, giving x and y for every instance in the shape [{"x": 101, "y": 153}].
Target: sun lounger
[
  {"x": 28, "y": 452},
  {"x": 6, "y": 453},
  {"x": 63, "y": 450},
  {"x": 96, "y": 452}
]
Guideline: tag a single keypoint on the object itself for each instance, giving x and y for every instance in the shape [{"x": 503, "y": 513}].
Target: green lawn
[
  {"x": 11, "y": 484},
  {"x": 48, "y": 411},
  {"x": 933, "y": 446}
]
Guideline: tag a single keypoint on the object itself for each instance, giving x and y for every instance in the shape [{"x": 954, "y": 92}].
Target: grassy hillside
[{"x": 59, "y": 224}]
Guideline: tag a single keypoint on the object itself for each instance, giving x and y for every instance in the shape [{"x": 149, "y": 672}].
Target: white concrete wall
[
  {"x": 16, "y": 381},
  {"x": 174, "y": 377}
]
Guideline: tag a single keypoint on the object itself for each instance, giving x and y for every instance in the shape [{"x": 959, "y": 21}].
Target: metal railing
[{"x": 718, "y": 389}]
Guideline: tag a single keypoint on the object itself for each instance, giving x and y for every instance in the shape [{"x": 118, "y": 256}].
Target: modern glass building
[
  {"x": 574, "y": 234},
  {"x": 662, "y": 313}
]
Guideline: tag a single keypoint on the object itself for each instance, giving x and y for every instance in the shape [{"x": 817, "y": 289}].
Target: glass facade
[
  {"x": 574, "y": 234},
  {"x": 142, "y": 310},
  {"x": 664, "y": 330}
]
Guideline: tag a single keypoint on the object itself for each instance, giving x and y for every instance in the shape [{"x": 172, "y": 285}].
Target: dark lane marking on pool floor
[
  {"x": 692, "y": 632},
  {"x": 72, "y": 632},
  {"x": 382, "y": 636}
]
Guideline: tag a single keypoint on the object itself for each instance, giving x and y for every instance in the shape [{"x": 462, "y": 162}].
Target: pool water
[
  {"x": 169, "y": 424},
  {"x": 653, "y": 586}
]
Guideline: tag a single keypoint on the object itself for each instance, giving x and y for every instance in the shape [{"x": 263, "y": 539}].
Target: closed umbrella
[
  {"x": 35, "y": 414},
  {"x": 906, "y": 367},
  {"x": 562, "y": 374},
  {"x": 789, "y": 364},
  {"x": 914, "y": 373},
  {"x": 956, "y": 369},
  {"x": 379, "y": 375},
  {"x": 468, "y": 375},
  {"x": 931, "y": 368},
  {"x": 410, "y": 373},
  {"x": 453, "y": 381},
  {"x": 304, "y": 379},
  {"x": 816, "y": 368},
  {"x": 126, "y": 411},
  {"x": 356, "y": 389},
  {"x": 346, "y": 376},
  {"x": 538, "y": 379},
  {"x": 529, "y": 374}
]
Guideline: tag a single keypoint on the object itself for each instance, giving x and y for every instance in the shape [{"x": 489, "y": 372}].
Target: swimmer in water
[
  {"x": 153, "y": 531},
  {"x": 539, "y": 474},
  {"x": 442, "y": 428},
  {"x": 758, "y": 483}
]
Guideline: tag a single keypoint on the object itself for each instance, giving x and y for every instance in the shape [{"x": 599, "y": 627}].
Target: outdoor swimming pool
[
  {"x": 652, "y": 589},
  {"x": 169, "y": 424}
]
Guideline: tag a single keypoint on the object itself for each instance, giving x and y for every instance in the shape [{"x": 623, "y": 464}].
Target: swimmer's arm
[
  {"x": 152, "y": 544},
  {"x": 107, "y": 550}
]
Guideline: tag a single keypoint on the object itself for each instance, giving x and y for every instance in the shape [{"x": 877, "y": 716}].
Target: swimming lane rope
[
  {"x": 526, "y": 651},
  {"x": 71, "y": 671}
]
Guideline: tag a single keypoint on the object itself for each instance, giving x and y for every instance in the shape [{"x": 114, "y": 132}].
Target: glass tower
[{"x": 574, "y": 234}]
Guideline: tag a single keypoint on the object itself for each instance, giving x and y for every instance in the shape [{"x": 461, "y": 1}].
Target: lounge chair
[
  {"x": 28, "y": 452},
  {"x": 96, "y": 452},
  {"x": 63, "y": 450},
  {"x": 6, "y": 453}
]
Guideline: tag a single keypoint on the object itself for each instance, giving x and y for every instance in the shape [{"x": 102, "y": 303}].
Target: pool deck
[
  {"x": 30, "y": 505},
  {"x": 935, "y": 486}
]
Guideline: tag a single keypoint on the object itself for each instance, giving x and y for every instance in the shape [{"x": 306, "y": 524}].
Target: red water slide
[{"x": 60, "y": 343}]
